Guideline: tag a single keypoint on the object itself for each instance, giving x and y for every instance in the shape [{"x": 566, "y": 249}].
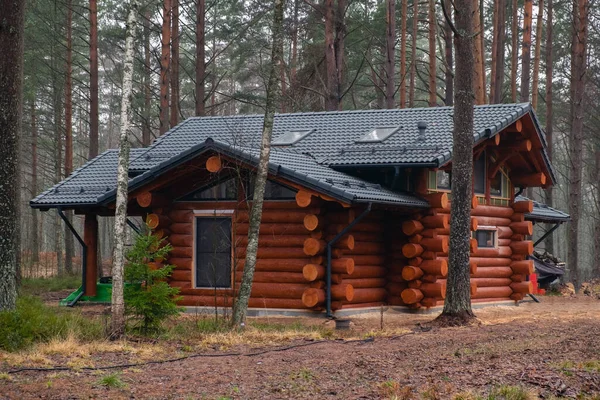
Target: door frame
[{"x": 211, "y": 214}]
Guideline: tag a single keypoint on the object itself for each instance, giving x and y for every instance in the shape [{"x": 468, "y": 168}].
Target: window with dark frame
[
  {"x": 479, "y": 172},
  {"x": 444, "y": 179},
  {"x": 273, "y": 191},
  {"x": 220, "y": 190},
  {"x": 486, "y": 238},
  {"x": 213, "y": 252}
]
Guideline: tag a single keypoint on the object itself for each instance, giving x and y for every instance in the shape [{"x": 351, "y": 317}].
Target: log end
[{"x": 213, "y": 164}]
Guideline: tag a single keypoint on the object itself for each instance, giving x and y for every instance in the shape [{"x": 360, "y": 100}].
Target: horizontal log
[
  {"x": 517, "y": 296},
  {"x": 181, "y": 275},
  {"x": 346, "y": 242},
  {"x": 368, "y": 259},
  {"x": 366, "y": 271},
  {"x": 435, "y": 267},
  {"x": 212, "y": 301},
  {"x": 313, "y": 272},
  {"x": 182, "y": 252},
  {"x": 491, "y": 261},
  {"x": 504, "y": 232},
  {"x": 523, "y": 207},
  {"x": 489, "y": 300},
  {"x": 156, "y": 221},
  {"x": 312, "y": 222},
  {"x": 491, "y": 282},
  {"x": 365, "y": 282},
  {"x": 395, "y": 300},
  {"x": 436, "y": 221},
  {"x": 274, "y": 216},
  {"x": 438, "y": 244},
  {"x": 493, "y": 221},
  {"x": 273, "y": 241},
  {"x": 438, "y": 200},
  {"x": 275, "y": 277},
  {"x": 395, "y": 288},
  {"x": 410, "y": 273},
  {"x": 353, "y": 305},
  {"x": 180, "y": 284},
  {"x": 181, "y": 240},
  {"x": 493, "y": 272},
  {"x": 522, "y": 287},
  {"x": 504, "y": 242},
  {"x": 525, "y": 247},
  {"x": 492, "y": 292},
  {"x": 524, "y": 267},
  {"x": 518, "y": 278},
  {"x": 274, "y": 229},
  {"x": 430, "y": 233},
  {"x": 276, "y": 265},
  {"x": 313, "y": 246},
  {"x": 369, "y": 295},
  {"x": 415, "y": 261},
  {"x": 411, "y": 296},
  {"x": 273, "y": 252},
  {"x": 342, "y": 291},
  {"x": 343, "y": 265},
  {"x": 528, "y": 180},
  {"x": 501, "y": 251},
  {"x": 493, "y": 211},
  {"x": 435, "y": 290},
  {"x": 415, "y": 239},
  {"x": 517, "y": 217},
  {"x": 305, "y": 199},
  {"x": 371, "y": 227},
  {"x": 213, "y": 164},
  {"x": 429, "y": 302},
  {"x": 180, "y": 263},
  {"x": 182, "y": 228},
  {"x": 473, "y": 268},
  {"x": 523, "y": 228},
  {"x": 429, "y": 278},
  {"x": 429, "y": 255},
  {"x": 411, "y": 227},
  {"x": 368, "y": 248},
  {"x": 278, "y": 290},
  {"x": 368, "y": 236},
  {"x": 411, "y": 250},
  {"x": 181, "y": 216},
  {"x": 415, "y": 284}
]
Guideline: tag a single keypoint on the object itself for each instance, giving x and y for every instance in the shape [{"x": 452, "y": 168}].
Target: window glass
[
  {"x": 224, "y": 190},
  {"x": 444, "y": 179},
  {"x": 479, "y": 172},
  {"x": 486, "y": 238},
  {"x": 291, "y": 137},
  {"x": 273, "y": 191},
  {"x": 499, "y": 185},
  {"x": 213, "y": 252},
  {"x": 378, "y": 134}
]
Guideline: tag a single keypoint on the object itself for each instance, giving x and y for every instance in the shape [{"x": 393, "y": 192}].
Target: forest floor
[{"x": 546, "y": 350}]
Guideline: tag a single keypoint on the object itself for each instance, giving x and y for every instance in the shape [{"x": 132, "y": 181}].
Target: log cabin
[{"x": 356, "y": 211}]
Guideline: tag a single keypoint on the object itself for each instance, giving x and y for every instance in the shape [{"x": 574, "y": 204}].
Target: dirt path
[{"x": 552, "y": 349}]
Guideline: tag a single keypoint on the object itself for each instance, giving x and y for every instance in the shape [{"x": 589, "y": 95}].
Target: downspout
[
  {"x": 330, "y": 245},
  {"x": 83, "y": 256}
]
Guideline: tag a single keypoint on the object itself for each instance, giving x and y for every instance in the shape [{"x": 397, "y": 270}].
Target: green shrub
[
  {"x": 149, "y": 300},
  {"x": 32, "y": 322}
]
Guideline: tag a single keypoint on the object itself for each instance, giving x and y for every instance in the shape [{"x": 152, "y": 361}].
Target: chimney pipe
[{"x": 422, "y": 125}]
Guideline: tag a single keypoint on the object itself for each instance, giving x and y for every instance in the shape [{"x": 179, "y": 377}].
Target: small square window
[
  {"x": 444, "y": 179},
  {"x": 479, "y": 174},
  {"x": 290, "y": 137},
  {"x": 486, "y": 238},
  {"x": 378, "y": 134}
]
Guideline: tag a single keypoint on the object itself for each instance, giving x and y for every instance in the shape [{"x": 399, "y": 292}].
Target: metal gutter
[
  {"x": 83, "y": 256},
  {"x": 329, "y": 246}
]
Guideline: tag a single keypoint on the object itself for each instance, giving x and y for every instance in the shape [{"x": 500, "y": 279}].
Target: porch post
[{"x": 90, "y": 237}]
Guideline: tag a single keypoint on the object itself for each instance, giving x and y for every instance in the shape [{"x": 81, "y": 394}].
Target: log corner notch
[{"x": 213, "y": 164}]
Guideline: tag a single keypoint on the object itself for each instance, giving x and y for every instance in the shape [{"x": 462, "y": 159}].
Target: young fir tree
[{"x": 148, "y": 297}]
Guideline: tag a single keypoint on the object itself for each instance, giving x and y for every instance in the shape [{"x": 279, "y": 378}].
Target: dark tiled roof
[
  {"x": 86, "y": 184},
  {"x": 289, "y": 164},
  {"x": 333, "y": 141},
  {"x": 543, "y": 213}
]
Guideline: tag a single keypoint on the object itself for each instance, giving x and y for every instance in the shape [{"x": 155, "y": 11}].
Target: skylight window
[
  {"x": 378, "y": 134},
  {"x": 291, "y": 137}
]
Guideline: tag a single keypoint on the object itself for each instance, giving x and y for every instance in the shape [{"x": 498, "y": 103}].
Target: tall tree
[
  {"x": 94, "y": 121},
  {"x": 241, "y": 305},
  {"x": 200, "y": 56},
  {"x": 526, "y": 50},
  {"x": 335, "y": 32},
  {"x": 390, "y": 47},
  {"x": 449, "y": 73},
  {"x": 69, "y": 245},
  {"x": 537, "y": 55},
  {"x": 514, "y": 38},
  {"x": 117, "y": 302},
  {"x": 478, "y": 76},
  {"x": 174, "y": 70},
  {"x": 35, "y": 240},
  {"x": 403, "y": 36},
  {"x": 498, "y": 57},
  {"x": 549, "y": 243},
  {"x": 578, "y": 79},
  {"x": 165, "y": 64},
  {"x": 432, "y": 55},
  {"x": 457, "y": 307},
  {"x": 146, "y": 129},
  {"x": 11, "y": 94},
  {"x": 413, "y": 54}
]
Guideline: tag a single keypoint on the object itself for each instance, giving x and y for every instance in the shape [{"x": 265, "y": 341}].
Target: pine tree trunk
[
  {"x": 57, "y": 127},
  {"x": 478, "y": 77},
  {"x": 118, "y": 304},
  {"x": 331, "y": 100},
  {"x": 11, "y": 93},
  {"x": 596, "y": 184},
  {"x": 457, "y": 307},
  {"x": 538, "y": 54},
  {"x": 432, "y": 55},
  {"x": 499, "y": 34},
  {"x": 526, "y": 52},
  {"x": 94, "y": 122},
  {"x": 549, "y": 242},
  {"x": 146, "y": 130},
  {"x": 403, "y": 35},
  {"x": 340, "y": 40},
  {"x": 449, "y": 73},
  {"x": 495, "y": 22},
  {"x": 200, "y": 57},
  {"x": 514, "y": 55},
  {"x": 165, "y": 61},
  {"x": 413, "y": 55},
  {"x": 174, "y": 71},
  {"x": 578, "y": 74},
  {"x": 69, "y": 245},
  {"x": 390, "y": 23},
  {"x": 294, "y": 61},
  {"x": 241, "y": 305},
  {"x": 35, "y": 237}
]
